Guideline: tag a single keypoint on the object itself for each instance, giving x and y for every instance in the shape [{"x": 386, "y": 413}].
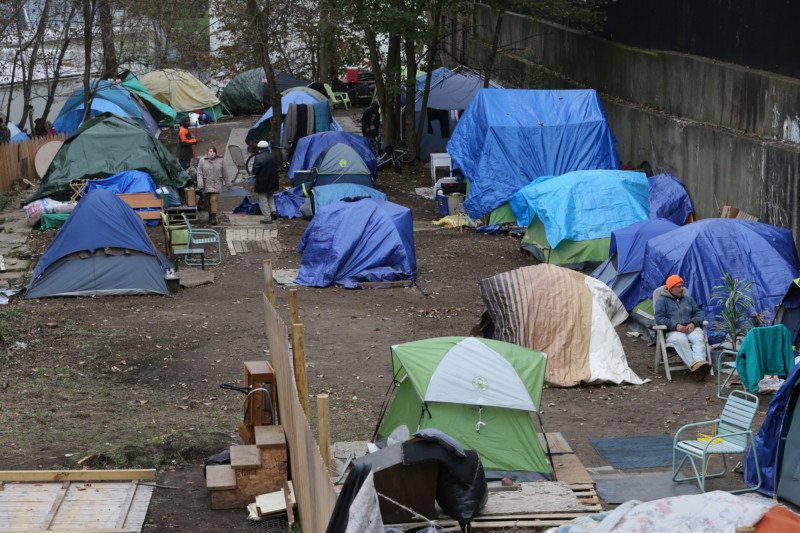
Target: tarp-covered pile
[
  {"x": 568, "y": 316},
  {"x": 508, "y": 138}
]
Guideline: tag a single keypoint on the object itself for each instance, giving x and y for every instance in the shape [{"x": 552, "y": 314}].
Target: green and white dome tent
[{"x": 481, "y": 392}]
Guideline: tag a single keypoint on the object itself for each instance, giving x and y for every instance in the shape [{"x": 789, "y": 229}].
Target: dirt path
[{"x": 134, "y": 381}]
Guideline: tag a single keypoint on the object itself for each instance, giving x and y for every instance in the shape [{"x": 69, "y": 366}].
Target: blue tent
[
  {"x": 340, "y": 163},
  {"x": 583, "y": 205},
  {"x": 451, "y": 90},
  {"x": 17, "y": 135},
  {"x": 626, "y": 255},
  {"x": 508, "y": 138},
  {"x": 701, "y": 252},
  {"x": 108, "y": 97},
  {"x": 329, "y": 194},
  {"x": 669, "y": 200},
  {"x": 308, "y": 149},
  {"x": 101, "y": 250},
  {"x": 295, "y": 97},
  {"x": 128, "y": 181},
  {"x": 348, "y": 243},
  {"x": 777, "y": 444}
]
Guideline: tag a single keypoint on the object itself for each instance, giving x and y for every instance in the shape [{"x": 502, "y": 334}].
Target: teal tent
[
  {"x": 481, "y": 392},
  {"x": 160, "y": 111}
]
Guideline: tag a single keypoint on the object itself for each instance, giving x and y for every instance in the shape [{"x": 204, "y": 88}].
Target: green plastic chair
[
  {"x": 732, "y": 435},
  {"x": 201, "y": 238},
  {"x": 338, "y": 98}
]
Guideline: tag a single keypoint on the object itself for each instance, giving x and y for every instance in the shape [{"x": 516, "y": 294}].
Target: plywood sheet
[{"x": 534, "y": 497}]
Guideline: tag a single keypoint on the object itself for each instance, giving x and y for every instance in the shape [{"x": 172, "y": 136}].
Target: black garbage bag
[{"x": 221, "y": 458}]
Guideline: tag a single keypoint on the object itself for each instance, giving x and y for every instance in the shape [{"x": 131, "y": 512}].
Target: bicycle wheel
[
  {"x": 248, "y": 165},
  {"x": 402, "y": 152}
]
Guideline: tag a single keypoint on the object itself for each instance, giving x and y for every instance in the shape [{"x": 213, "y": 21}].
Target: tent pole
[{"x": 547, "y": 444}]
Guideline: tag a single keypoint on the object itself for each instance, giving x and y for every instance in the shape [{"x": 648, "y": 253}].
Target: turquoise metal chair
[
  {"x": 202, "y": 238},
  {"x": 732, "y": 435}
]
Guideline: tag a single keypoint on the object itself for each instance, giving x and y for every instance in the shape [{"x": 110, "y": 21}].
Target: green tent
[
  {"x": 107, "y": 145},
  {"x": 160, "y": 111},
  {"x": 578, "y": 255},
  {"x": 502, "y": 215},
  {"x": 481, "y": 392}
]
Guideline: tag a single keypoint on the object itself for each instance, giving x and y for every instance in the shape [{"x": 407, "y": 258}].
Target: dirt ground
[{"x": 133, "y": 382}]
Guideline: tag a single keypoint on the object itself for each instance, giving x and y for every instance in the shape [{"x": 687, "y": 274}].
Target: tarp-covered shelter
[
  {"x": 348, "y": 243},
  {"x": 458, "y": 384},
  {"x": 701, "y": 252},
  {"x": 249, "y": 93},
  {"x": 106, "y": 97},
  {"x": 101, "y": 250},
  {"x": 508, "y": 138},
  {"x": 329, "y": 194},
  {"x": 260, "y": 129},
  {"x": 160, "y": 111},
  {"x": 669, "y": 200},
  {"x": 340, "y": 163},
  {"x": 570, "y": 217},
  {"x": 182, "y": 92},
  {"x": 626, "y": 256},
  {"x": 565, "y": 314},
  {"x": 777, "y": 445},
  {"x": 107, "y": 145},
  {"x": 128, "y": 181},
  {"x": 308, "y": 149}
]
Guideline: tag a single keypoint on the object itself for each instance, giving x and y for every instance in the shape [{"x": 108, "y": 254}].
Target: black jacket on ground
[{"x": 265, "y": 168}]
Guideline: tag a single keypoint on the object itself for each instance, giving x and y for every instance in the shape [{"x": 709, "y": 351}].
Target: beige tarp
[
  {"x": 568, "y": 316},
  {"x": 179, "y": 89}
]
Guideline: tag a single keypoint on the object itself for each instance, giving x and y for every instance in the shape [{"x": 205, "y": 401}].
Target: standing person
[
  {"x": 211, "y": 177},
  {"x": 186, "y": 144},
  {"x": 265, "y": 168},
  {"x": 5, "y": 133},
  {"x": 371, "y": 125},
  {"x": 678, "y": 311}
]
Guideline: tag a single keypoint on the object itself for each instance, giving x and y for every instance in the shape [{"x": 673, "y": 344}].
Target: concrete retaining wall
[{"x": 729, "y": 133}]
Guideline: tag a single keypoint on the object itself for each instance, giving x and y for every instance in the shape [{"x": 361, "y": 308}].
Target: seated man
[{"x": 683, "y": 318}]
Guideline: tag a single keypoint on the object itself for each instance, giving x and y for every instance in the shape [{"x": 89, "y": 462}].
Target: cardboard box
[{"x": 191, "y": 197}]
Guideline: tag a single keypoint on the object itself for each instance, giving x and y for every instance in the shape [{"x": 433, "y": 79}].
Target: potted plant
[{"x": 736, "y": 299}]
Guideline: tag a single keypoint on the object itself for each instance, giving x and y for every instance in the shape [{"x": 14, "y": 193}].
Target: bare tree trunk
[
  {"x": 52, "y": 86},
  {"x": 391, "y": 113},
  {"x": 493, "y": 52},
  {"x": 110, "y": 65},
  {"x": 260, "y": 16},
  {"x": 433, "y": 50},
  {"x": 411, "y": 97},
  {"x": 35, "y": 43},
  {"x": 88, "y": 26}
]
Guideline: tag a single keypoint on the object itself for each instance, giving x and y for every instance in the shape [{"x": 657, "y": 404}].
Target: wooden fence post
[
  {"x": 294, "y": 308},
  {"x": 270, "y": 282},
  {"x": 322, "y": 429},
  {"x": 299, "y": 357}
]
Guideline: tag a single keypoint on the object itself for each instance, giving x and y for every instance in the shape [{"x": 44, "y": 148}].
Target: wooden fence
[
  {"x": 313, "y": 489},
  {"x": 17, "y": 160}
]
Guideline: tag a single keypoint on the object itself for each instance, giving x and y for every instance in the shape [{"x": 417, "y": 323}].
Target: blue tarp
[
  {"x": 450, "y": 90},
  {"x": 508, "y": 138},
  {"x": 629, "y": 244},
  {"x": 348, "y": 243},
  {"x": 328, "y": 194},
  {"x": 294, "y": 97},
  {"x": 101, "y": 219},
  {"x": 288, "y": 203},
  {"x": 701, "y": 252},
  {"x": 770, "y": 440},
  {"x": 17, "y": 135},
  {"x": 308, "y": 149},
  {"x": 109, "y": 98},
  {"x": 583, "y": 205},
  {"x": 129, "y": 181},
  {"x": 669, "y": 199}
]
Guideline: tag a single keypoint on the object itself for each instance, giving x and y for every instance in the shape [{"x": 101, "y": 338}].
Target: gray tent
[{"x": 101, "y": 250}]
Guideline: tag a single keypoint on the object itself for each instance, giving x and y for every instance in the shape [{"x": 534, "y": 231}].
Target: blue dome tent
[
  {"x": 101, "y": 250},
  {"x": 308, "y": 149},
  {"x": 340, "y": 163}
]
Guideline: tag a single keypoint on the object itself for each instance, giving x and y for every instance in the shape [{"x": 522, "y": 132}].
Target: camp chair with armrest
[
  {"x": 338, "y": 97},
  {"x": 665, "y": 351},
  {"x": 176, "y": 236},
  {"x": 203, "y": 238},
  {"x": 766, "y": 350},
  {"x": 729, "y": 434},
  {"x": 237, "y": 156}
]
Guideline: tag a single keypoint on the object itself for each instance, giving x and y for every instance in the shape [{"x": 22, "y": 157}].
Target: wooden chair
[
  {"x": 146, "y": 204},
  {"x": 176, "y": 236},
  {"x": 338, "y": 97},
  {"x": 665, "y": 351},
  {"x": 730, "y": 435}
]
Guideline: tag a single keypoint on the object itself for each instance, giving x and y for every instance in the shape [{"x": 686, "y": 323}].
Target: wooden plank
[
  {"x": 246, "y": 456},
  {"x": 570, "y": 469},
  {"x": 558, "y": 444},
  {"x": 77, "y": 475},
  {"x": 220, "y": 477},
  {"x": 270, "y": 436},
  {"x": 51, "y": 514},
  {"x": 125, "y": 506}
]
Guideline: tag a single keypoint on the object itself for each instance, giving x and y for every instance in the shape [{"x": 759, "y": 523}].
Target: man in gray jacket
[{"x": 684, "y": 319}]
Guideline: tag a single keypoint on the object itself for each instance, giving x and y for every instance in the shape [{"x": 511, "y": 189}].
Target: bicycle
[{"x": 396, "y": 155}]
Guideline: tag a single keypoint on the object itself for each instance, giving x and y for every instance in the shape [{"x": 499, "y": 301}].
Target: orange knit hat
[{"x": 673, "y": 280}]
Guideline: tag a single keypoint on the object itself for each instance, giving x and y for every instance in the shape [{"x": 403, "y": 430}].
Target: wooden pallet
[
  {"x": 569, "y": 470},
  {"x": 174, "y": 214}
]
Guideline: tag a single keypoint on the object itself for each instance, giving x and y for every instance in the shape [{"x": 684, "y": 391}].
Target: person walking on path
[
  {"x": 678, "y": 311},
  {"x": 211, "y": 178},
  {"x": 186, "y": 144},
  {"x": 265, "y": 168}
]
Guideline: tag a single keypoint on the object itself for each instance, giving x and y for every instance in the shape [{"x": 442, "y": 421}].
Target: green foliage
[
  {"x": 736, "y": 299},
  {"x": 7, "y": 317}
]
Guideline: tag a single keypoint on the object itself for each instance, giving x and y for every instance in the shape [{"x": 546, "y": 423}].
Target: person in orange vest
[{"x": 186, "y": 144}]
